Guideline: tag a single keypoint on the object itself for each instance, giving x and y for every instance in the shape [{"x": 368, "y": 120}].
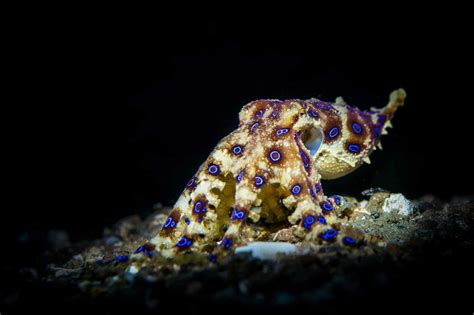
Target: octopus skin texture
[{"x": 267, "y": 174}]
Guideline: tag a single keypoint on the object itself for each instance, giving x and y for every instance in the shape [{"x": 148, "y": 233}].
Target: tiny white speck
[{"x": 133, "y": 270}]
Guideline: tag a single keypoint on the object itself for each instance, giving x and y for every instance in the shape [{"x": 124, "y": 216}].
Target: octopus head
[
  {"x": 340, "y": 138},
  {"x": 337, "y": 137}
]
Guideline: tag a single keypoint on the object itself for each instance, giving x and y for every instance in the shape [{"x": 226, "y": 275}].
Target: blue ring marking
[
  {"x": 190, "y": 182},
  {"x": 305, "y": 160},
  {"x": 237, "y": 149},
  {"x": 337, "y": 199},
  {"x": 239, "y": 177},
  {"x": 271, "y": 156},
  {"x": 186, "y": 220},
  {"x": 333, "y": 133},
  {"x": 323, "y": 105},
  {"x": 121, "y": 258},
  {"x": 321, "y": 220},
  {"x": 213, "y": 169},
  {"x": 258, "y": 181},
  {"x": 311, "y": 192},
  {"x": 184, "y": 241},
  {"x": 348, "y": 240},
  {"x": 329, "y": 234},
  {"x": 318, "y": 188},
  {"x": 296, "y": 189},
  {"x": 212, "y": 258},
  {"x": 282, "y": 131},
  {"x": 254, "y": 126},
  {"x": 259, "y": 113},
  {"x": 313, "y": 114},
  {"x": 168, "y": 222},
  {"x": 227, "y": 243},
  {"x": 173, "y": 224},
  {"x": 236, "y": 214},
  {"x": 308, "y": 221},
  {"x": 357, "y": 128},
  {"x": 327, "y": 205},
  {"x": 354, "y": 148},
  {"x": 198, "y": 206},
  {"x": 138, "y": 250}
]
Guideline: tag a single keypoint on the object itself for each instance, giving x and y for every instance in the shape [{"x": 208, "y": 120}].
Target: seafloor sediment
[{"x": 423, "y": 262}]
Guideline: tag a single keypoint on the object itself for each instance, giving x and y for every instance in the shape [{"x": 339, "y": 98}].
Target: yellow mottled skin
[{"x": 267, "y": 174}]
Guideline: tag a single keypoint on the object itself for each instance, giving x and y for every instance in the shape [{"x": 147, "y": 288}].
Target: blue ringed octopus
[{"x": 267, "y": 174}]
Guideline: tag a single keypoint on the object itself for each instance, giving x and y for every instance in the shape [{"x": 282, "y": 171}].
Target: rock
[
  {"x": 399, "y": 204},
  {"x": 285, "y": 235}
]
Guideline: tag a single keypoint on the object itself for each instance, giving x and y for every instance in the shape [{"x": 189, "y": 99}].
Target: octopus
[{"x": 266, "y": 176}]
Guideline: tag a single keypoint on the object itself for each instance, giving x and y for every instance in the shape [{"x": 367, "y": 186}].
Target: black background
[{"x": 114, "y": 116}]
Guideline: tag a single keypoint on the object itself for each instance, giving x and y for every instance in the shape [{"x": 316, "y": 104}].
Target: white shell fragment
[
  {"x": 267, "y": 250},
  {"x": 398, "y": 203}
]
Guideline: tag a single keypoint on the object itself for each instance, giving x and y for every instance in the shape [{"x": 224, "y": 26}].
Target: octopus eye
[{"x": 312, "y": 139}]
